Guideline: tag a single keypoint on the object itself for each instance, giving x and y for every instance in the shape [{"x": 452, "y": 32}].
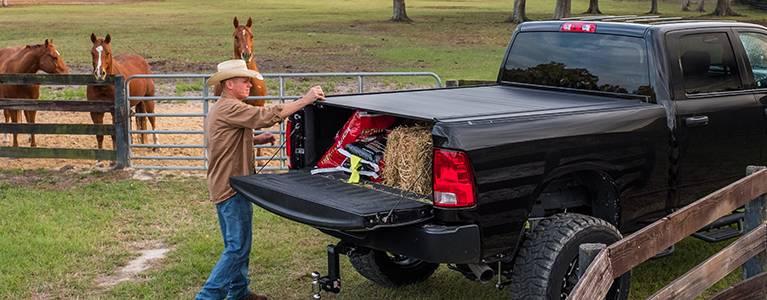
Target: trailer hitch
[{"x": 332, "y": 282}]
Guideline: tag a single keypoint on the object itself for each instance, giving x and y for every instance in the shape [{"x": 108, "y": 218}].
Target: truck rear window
[{"x": 587, "y": 61}]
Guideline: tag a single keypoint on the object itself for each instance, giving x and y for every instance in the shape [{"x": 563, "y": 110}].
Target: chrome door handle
[{"x": 696, "y": 121}]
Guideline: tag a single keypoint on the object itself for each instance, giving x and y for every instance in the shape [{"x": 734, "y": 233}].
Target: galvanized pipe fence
[{"x": 207, "y": 96}]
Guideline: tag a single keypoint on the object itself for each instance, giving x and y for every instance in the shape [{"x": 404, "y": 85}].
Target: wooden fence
[
  {"x": 615, "y": 260},
  {"x": 118, "y": 108}
]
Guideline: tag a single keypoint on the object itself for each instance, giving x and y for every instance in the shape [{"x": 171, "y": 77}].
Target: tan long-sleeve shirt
[{"x": 230, "y": 142}]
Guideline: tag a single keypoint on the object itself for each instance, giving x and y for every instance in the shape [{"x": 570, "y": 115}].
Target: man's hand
[
  {"x": 264, "y": 138},
  {"x": 315, "y": 93}
]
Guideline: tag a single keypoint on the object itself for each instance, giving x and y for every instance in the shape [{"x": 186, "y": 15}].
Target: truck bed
[
  {"x": 481, "y": 101},
  {"x": 325, "y": 201}
]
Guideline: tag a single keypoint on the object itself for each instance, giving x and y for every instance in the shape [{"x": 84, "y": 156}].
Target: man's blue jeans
[{"x": 230, "y": 275}]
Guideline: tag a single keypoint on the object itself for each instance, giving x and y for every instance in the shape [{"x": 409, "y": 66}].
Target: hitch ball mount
[{"x": 332, "y": 282}]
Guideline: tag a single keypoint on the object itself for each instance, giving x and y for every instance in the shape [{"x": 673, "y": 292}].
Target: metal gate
[{"x": 139, "y": 159}]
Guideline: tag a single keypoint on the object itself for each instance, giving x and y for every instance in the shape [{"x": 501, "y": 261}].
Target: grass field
[{"x": 60, "y": 232}]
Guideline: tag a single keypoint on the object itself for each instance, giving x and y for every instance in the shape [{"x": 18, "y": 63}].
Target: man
[{"x": 230, "y": 152}]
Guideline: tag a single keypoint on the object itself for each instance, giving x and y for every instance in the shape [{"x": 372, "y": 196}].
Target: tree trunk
[
  {"x": 519, "y": 15},
  {"x": 399, "y": 14},
  {"x": 562, "y": 10},
  {"x": 700, "y": 6},
  {"x": 593, "y": 8},
  {"x": 685, "y": 5},
  {"x": 653, "y": 7},
  {"x": 723, "y": 9}
]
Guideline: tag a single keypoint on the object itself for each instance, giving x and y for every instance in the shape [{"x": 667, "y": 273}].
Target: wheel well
[{"x": 590, "y": 193}]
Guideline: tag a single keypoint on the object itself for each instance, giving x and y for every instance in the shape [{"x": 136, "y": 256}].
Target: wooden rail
[
  {"x": 57, "y": 105},
  {"x": 54, "y": 79},
  {"x": 42, "y": 128},
  {"x": 754, "y": 288},
  {"x": 620, "y": 257},
  {"x": 118, "y": 130}
]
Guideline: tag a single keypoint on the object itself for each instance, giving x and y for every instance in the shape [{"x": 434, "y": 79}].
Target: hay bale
[{"x": 408, "y": 159}]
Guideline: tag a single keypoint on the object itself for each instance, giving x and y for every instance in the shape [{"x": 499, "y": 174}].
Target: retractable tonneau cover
[{"x": 457, "y": 103}]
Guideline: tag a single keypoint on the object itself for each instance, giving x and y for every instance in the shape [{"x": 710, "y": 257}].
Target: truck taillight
[
  {"x": 578, "y": 27},
  {"x": 288, "y": 147},
  {"x": 453, "y": 179}
]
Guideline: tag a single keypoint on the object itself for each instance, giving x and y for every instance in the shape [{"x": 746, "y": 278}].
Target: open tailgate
[{"x": 327, "y": 202}]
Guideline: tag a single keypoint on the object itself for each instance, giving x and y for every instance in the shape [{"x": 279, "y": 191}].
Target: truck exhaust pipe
[{"x": 482, "y": 271}]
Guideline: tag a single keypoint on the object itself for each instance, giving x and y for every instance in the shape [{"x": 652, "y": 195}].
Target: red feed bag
[{"x": 359, "y": 126}]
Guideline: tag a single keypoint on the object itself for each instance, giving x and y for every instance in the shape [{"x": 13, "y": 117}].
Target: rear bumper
[{"x": 427, "y": 242}]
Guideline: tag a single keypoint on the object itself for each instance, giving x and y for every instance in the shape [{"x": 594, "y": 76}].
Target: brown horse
[
  {"x": 28, "y": 59},
  {"x": 126, "y": 65},
  {"x": 243, "y": 49}
]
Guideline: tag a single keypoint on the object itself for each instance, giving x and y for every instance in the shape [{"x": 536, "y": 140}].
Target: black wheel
[
  {"x": 390, "y": 270},
  {"x": 546, "y": 266}
]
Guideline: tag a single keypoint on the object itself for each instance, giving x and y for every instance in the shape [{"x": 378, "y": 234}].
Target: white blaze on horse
[
  {"x": 27, "y": 59},
  {"x": 104, "y": 64}
]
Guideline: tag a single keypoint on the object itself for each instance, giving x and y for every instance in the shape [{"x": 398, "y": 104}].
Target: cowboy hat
[{"x": 231, "y": 69}]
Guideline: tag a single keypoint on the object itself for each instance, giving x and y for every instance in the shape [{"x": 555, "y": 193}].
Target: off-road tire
[
  {"x": 390, "y": 270},
  {"x": 547, "y": 255}
]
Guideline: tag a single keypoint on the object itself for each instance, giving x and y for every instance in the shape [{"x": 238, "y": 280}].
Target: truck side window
[
  {"x": 708, "y": 63},
  {"x": 755, "y": 45}
]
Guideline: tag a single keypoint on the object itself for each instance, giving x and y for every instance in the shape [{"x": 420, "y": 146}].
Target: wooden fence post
[
  {"x": 120, "y": 120},
  {"x": 586, "y": 254},
  {"x": 756, "y": 214}
]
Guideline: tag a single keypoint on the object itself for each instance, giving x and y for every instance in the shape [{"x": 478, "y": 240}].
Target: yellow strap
[{"x": 355, "y": 167}]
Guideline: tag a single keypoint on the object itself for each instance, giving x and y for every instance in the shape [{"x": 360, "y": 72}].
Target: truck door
[
  {"x": 718, "y": 120},
  {"x": 753, "y": 43}
]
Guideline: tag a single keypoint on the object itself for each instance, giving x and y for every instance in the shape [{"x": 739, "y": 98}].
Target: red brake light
[
  {"x": 288, "y": 147},
  {"x": 453, "y": 179},
  {"x": 578, "y": 27}
]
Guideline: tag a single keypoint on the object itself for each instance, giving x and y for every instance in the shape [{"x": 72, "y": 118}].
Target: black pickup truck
[{"x": 592, "y": 129}]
